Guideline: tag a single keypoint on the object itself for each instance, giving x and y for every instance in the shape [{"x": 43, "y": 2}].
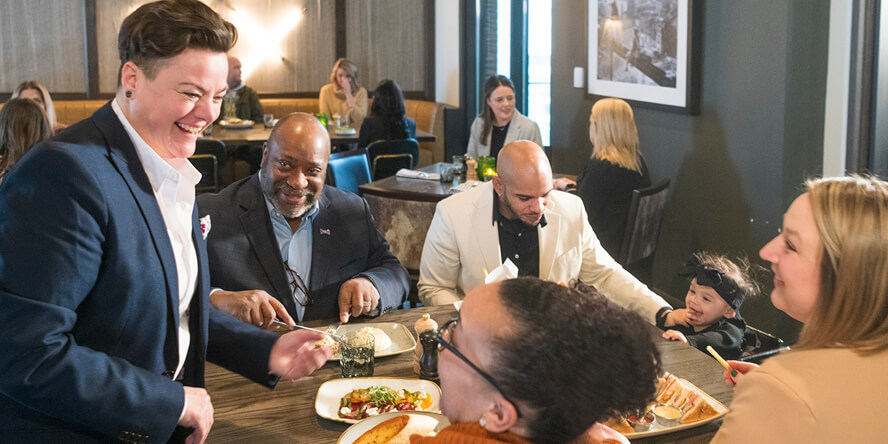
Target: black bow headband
[{"x": 710, "y": 277}]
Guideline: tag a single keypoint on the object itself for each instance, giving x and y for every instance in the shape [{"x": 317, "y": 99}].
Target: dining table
[
  {"x": 248, "y": 412},
  {"x": 258, "y": 132}
]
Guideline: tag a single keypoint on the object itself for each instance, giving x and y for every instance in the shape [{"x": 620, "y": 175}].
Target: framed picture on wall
[{"x": 646, "y": 52}]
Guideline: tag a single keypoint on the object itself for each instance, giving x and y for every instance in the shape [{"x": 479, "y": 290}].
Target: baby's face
[{"x": 705, "y": 306}]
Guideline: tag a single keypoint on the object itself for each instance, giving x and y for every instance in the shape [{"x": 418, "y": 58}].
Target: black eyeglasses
[
  {"x": 298, "y": 284},
  {"x": 442, "y": 344}
]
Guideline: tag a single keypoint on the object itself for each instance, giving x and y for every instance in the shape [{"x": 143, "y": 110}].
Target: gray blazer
[
  {"x": 244, "y": 255},
  {"x": 521, "y": 128}
]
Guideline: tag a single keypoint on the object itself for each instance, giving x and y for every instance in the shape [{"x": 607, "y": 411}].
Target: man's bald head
[
  {"x": 523, "y": 160},
  {"x": 234, "y": 72},
  {"x": 523, "y": 181},
  {"x": 301, "y": 129}
]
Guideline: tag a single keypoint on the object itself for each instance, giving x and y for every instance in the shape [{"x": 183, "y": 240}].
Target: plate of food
[
  {"x": 353, "y": 399},
  {"x": 678, "y": 405},
  {"x": 235, "y": 123},
  {"x": 394, "y": 428},
  {"x": 346, "y": 131},
  {"x": 391, "y": 338}
]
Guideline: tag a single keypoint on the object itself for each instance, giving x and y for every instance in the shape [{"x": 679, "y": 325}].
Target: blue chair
[
  {"x": 388, "y": 156},
  {"x": 348, "y": 170}
]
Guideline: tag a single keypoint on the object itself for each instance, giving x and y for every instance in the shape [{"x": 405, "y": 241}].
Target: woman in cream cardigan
[
  {"x": 343, "y": 95},
  {"x": 830, "y": 266},
  {"x": 500, "y": 123}
]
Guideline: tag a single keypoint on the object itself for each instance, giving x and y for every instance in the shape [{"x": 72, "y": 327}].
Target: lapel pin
[{"x": 325, "y": 231}]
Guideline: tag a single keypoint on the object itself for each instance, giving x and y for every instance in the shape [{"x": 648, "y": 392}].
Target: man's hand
[
  {"x": 680, "y": 316},
  {"x": 356, "y": 297},
  {"x": 675, "y": 335},
  {"x": 198, "y": 414},
  {"x": 294, "y": 355},
  {"x": 254, "y": 307}
]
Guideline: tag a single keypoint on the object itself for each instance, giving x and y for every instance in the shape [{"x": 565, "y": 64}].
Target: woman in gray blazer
[{"x": 500, "y": 123}]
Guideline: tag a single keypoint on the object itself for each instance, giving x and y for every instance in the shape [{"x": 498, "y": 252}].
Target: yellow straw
[
  {"x": 484, "y": 270},
  {"x": 720, "y": 360}
]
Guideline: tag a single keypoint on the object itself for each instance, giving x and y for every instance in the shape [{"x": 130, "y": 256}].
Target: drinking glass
[
  {"x": 268, "y": 120},
  {"x": 229, "y": 108},
  {"x": 356, "y": 353}
]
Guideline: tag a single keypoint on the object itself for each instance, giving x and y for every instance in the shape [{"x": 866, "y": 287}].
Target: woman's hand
[
  {"x": 742, "y": 369},
  {"x": 562, "y": 183},
  {"x": 675, "y": 335}
]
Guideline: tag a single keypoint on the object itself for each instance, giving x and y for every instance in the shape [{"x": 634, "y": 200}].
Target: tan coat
[
  {"x": 332, "y": 101},
  {"x": 816, "y": 396}
]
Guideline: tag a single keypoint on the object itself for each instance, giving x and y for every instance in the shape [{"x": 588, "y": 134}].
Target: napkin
[
  {"x": 507, "y": 270},
  {"x": 414, "y": 174}
]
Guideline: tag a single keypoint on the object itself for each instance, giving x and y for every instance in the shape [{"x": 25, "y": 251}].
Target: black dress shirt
[{"x": 498, "y": 138}]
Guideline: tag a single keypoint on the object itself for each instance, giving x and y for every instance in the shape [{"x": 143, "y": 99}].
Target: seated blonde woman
[
  {"x": 830, "y": 266},
  {"x": 533, "y": 361},
  {"x": 614, "y": 170},
  {"x": 343, "y": 96},
  {"x": 22, "y": 125},
  {"x": 36, "y": 92}
]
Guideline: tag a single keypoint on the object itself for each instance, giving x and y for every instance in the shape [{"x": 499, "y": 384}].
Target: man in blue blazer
[
  {"x": 105, "y": 320},
  {"x": 284, "y": 245}
]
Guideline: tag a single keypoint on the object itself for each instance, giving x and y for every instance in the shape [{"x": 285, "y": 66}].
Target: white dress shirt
[{"x": 174, "y": 190}]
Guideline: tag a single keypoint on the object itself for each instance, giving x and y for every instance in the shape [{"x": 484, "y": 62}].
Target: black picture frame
[{"x": 649, "y": 56}]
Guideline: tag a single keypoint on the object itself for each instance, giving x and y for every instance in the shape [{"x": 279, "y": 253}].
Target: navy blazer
[
  {"x": 244, "y": 254},
  {"x": 89, "y": 298}
]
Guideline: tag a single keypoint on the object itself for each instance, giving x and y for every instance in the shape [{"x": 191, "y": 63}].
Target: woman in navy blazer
[{"x": 92, "y": 257}]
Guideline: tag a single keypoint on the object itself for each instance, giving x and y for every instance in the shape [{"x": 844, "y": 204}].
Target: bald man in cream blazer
[{"x": 464, "y": 238}]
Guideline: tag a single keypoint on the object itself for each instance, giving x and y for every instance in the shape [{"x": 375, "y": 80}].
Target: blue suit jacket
[
  {"x": 244, "y": 254},
  {"x": 89, "y": 298}
]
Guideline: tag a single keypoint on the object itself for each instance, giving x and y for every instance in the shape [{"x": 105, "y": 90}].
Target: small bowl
[
  {"x": 641, "y": 420},
  {"x": 666, "y": 415}
]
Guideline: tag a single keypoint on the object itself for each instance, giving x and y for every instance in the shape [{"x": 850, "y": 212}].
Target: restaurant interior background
[{"x": 786, "y": 87}]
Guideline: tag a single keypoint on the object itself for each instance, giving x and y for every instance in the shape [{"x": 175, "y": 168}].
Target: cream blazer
[
  {"x": 811, "y": 396},
  {"x": 462, "y": 241},
  {"x": 521, "y": 128}
]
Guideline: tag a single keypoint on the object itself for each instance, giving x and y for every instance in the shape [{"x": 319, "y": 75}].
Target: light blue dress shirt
[{"x": 295, "y": 249}]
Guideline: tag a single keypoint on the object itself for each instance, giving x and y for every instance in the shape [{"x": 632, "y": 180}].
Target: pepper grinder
[
  {"x": 428, "y": 364},
  {"x": 471, "y": 165},
  {"x": 422, "y": 324}
]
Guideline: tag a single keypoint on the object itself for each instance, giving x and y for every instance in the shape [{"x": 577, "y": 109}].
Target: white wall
[
  {"x": 835, "y": 118},
  {"x": 447, "y": 52}
]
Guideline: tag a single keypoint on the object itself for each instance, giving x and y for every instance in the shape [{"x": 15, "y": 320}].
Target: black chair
[
  {"x": 348, "y": 170},
  {"x": 209, "y": 158},
  {"x": 643, "y": 228},
  {"x": 389, "y": 156}
]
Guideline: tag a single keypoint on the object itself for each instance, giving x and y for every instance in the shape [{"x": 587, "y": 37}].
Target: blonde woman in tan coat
[
  {"x": 830, "y": 265},
  {"x": 343, "y": 96}
]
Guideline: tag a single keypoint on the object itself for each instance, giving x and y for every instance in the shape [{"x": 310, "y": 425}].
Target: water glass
[
  {"x": 229, "y": 108},
  {"x": 268, "y": 120},
  {"x": 356, "y": 353}
]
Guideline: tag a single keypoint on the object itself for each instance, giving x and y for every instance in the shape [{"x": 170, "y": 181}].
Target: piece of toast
[{"x": 384, "y": 431}]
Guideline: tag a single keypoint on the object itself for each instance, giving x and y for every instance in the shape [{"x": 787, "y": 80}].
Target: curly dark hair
[
  {"x": 572, "y": 357},
  {"x": 166, "y": 28},
  {"x": 388, "y": 105}
]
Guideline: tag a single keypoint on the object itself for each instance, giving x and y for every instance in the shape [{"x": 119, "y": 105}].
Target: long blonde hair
[
  {"x": 851, "y": 215},
  {"x": 44, "y": 93},
  {"x": 350, "y": 69},
  {"x": 616, "y": 137}
]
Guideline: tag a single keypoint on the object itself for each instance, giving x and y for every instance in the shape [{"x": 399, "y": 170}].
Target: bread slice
[
  {"x": 696, "y": 409},
  {"x": 384, "y": 431},
  {"x": 619, "y": 424}
]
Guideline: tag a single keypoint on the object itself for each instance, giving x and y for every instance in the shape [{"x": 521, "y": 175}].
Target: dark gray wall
[{"x": 737, "y": 165}]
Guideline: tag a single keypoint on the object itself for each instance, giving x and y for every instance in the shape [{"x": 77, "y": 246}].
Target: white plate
[
  {"x": 657, "y": 429},
  {"x": 355, "y": 431},
  {"x": 330, "y": 392},
  {"x": 402, "y": 339},
  {"x": 243, "y": 124},
  {"x": 457, "y": 305},
  {"x": 346, "y": 131}
]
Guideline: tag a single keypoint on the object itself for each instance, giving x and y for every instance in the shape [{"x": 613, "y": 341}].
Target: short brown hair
[
  {"x": 852, "y": 308},
  {"x": 166, "y": 28}
]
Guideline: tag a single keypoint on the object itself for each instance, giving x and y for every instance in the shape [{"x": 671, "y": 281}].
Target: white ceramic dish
[
  {"x": 658, "y": 429},
  {"x": 330, "y": 392},
  {"x": 346, "y": 131},
  {"x": 243, "y": 124},
  {"x": 355, "y": 431},
  {"x": 402, "y": 339}
]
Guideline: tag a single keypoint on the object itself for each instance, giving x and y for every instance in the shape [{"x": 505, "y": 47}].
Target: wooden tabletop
[
  {"x": 259, "y": 133},
  {"x": 249, "y": 412},
  {"x": 410, "y": 189}
]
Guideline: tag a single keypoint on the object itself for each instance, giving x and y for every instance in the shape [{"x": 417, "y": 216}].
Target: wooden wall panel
[
  {"x": 387, "y": 39},
  {"x": 43, "y": 40},
  {"x": 109, "y": 16}
]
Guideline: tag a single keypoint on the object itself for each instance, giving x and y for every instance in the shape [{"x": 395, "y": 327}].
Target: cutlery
[{"x": 328, "y": 333}]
